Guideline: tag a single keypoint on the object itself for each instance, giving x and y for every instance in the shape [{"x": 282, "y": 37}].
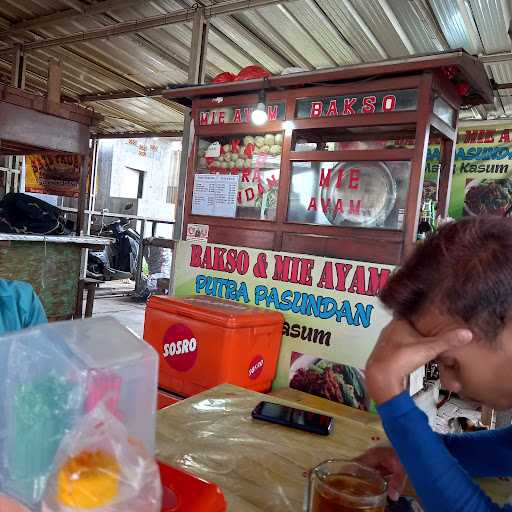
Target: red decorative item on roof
[
  {"x": 251, "y": 73},
  {"x": 450, "y": 71},
  {"x": 463, "y": 88},
  {"x": 224, "y": 77}
]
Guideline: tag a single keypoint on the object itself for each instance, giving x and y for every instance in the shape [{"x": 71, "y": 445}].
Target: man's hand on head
[{"x": 399, "y": 351}]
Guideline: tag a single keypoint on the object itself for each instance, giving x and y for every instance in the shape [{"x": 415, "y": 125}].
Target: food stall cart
[
  {"x": 309, "y": 212},
  {"x": 33, "y": 124}
]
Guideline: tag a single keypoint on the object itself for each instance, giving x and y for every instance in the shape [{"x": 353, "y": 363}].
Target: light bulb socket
[{"x": 259, "y": 115}]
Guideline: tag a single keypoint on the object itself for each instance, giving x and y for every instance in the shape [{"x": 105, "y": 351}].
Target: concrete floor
[{"x": 124, "y": 309}]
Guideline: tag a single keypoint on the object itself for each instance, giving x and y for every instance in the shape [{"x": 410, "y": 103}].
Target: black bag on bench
[{"x": 22, "y": 214}]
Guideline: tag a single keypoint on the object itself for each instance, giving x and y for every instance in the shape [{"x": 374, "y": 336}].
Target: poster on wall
[
  {"x": 332, "y": 314},
  {"x": 215, "y": 194},
  {"x": 482, "y": 172},
  {"x": 57, "y": 175}
]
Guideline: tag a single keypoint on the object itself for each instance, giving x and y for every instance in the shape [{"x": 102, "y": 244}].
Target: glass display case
[
  {"x": 253, "y": 164},
  {"x": 357, "y": 194}
]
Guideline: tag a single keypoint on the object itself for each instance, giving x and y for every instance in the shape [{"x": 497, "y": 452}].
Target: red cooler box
[{"x": 204, "y": 341}]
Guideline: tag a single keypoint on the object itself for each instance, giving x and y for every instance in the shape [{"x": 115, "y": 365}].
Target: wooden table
[{"x": 260, "y": 466}]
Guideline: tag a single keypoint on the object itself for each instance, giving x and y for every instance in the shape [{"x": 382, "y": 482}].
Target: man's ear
[
  {"x": 504, "y": 338},
  {"x": 449, "y": 381}
]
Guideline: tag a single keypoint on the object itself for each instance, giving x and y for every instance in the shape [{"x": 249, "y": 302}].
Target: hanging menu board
[{"x": 215, "y": 195}]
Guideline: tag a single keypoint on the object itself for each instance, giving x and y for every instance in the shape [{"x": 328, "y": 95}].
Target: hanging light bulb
[{"x": 259, "y": 116}]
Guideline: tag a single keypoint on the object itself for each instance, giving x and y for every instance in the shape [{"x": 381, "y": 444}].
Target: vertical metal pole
[
  {"x": 18, "y": 68},
  {"x": 92, "y": 184},
  {"x": 90, "y": 208},
  {"x": 196, "y": 72},
  {"x": 140, "y": 256}
]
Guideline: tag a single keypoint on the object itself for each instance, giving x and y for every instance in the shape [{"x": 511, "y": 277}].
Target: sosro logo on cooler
[
  {"x": 256, "y": 367},
  {"x": 180, "y": 348}
]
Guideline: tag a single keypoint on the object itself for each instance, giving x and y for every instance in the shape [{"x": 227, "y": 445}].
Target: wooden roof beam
[
  {"x": 67, "y": 15},
  {"x": 137, "y": 89},
  {"x": 120, "y": 95},
  {"x": 496, "y": 58},
  {"x": 221, "y": 8}
]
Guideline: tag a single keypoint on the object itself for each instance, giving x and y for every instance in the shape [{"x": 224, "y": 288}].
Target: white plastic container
[{"x": 50, "y": 376}]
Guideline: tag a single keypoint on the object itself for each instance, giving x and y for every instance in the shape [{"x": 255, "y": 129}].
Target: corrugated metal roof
[
  {"x": 449, "y": 15},
  {"x": 490, "y": 21},
  {"x": 310, "y": 34}
]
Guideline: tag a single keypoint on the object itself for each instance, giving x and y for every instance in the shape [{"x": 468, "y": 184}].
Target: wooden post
[
  {"x": 82, "y": 199},
  {"x": 413, "y": 204},
  {"x": 196, "y": 72},
  {"x": 445, "y": 175},
  {"x": 18, "y": 68},
  {"x": 54, "y": 81}
]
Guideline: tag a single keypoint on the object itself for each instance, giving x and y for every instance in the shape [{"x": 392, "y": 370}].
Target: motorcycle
[{"x": 119, "y": 259}]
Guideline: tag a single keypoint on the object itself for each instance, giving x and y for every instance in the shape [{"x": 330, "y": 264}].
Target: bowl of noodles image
[{"x": 487, "y": 196}]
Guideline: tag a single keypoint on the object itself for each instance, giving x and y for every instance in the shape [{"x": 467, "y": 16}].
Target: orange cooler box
[{"x": 204, "y": 341}]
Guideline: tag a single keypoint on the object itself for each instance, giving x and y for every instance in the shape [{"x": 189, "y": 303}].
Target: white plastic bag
[{"x": 100, "y": 468}]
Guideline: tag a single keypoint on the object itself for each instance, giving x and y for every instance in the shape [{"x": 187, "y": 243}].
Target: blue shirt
[
  {"x": 440, "y": 467},
  {"x": 20, "y": 307}
]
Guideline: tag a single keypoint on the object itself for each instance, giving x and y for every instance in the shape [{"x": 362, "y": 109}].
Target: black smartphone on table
[{"x": 294, "y": 418}]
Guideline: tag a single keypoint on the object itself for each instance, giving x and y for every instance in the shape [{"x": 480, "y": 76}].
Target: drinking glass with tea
[{"x": 345, "y": 486}]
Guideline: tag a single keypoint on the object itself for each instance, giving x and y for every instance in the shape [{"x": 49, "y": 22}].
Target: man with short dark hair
[
  {"x": 452, "y": 301},
  {"x": 20, "y": 307}
]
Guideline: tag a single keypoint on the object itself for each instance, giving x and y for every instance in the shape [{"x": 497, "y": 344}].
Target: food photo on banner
[
  {"x": 337, "y": 382},
  {"x": 53, "y": 174},
  {"x": 332, "y": 316}
]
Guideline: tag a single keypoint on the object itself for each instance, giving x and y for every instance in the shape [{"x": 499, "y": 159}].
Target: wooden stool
[{"x": 88, "y": 285}]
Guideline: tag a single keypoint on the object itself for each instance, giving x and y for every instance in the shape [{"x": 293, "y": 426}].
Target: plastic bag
[
  {"x": 53, "y": 375},
  {"x": 224, "y": 77},
  {"x": 100, "y": 468},
  {"x": 251, "y": 73}
]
